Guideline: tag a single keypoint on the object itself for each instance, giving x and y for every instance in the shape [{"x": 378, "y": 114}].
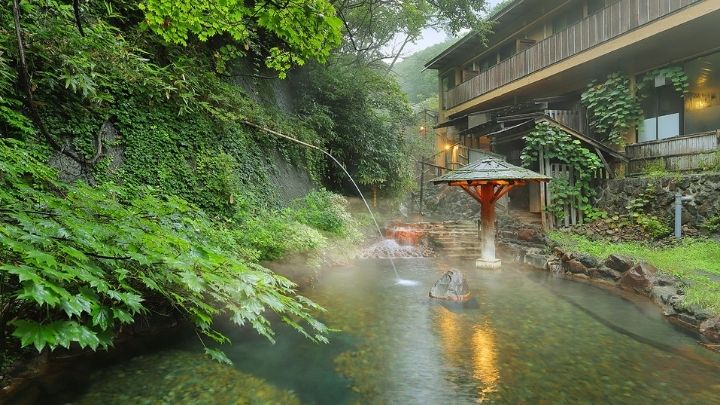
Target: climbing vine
[
  {"x": 559, "y": 145},
  {"x": 613, "y": 107},
  {"x": 675, "y": 74}
]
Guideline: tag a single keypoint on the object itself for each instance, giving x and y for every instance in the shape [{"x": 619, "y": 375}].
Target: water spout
[{"x": 357, "y": 188}]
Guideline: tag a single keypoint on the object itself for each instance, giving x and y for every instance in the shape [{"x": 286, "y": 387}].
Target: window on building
[
  {"x": 702, "y": 102},
  {"x": 662, "y": 110},
  {"x": 448, "y": 81},
  {"x": 593, "y": 6},
  {"x": 470, "y": 70},
  {"x": 488, "y": 62},
  {"x": 507, "y": 51},
  {"x": 567, "y": 19}
]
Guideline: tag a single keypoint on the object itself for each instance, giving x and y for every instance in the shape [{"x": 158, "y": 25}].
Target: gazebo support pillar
[
  {"x": 487, "y": 259},
  {"x": 487, "y": 181}
]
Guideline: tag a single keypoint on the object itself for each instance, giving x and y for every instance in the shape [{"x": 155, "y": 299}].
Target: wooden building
[{"x": 542, "y": 56}]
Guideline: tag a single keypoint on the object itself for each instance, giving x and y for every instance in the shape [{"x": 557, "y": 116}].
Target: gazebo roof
[{"x": 490, "y": 170}]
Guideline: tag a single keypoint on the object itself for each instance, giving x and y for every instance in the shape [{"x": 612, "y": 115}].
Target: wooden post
[
  {"x": 487, "y": 218},
  {"x": 543, "y": 187},
  {"x": 422, "y": 185}
]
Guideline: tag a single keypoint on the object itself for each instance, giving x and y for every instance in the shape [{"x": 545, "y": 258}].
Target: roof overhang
[
  {"x": 507, "y": 20},
  {"x": 490, "y": 171}
]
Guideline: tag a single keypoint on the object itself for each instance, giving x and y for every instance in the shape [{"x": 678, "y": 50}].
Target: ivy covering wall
[
  {"x": 180, "y": 221},
  {"x": 558, "y": 145}
]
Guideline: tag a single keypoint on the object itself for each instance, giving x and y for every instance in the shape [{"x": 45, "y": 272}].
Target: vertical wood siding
[
  {"x": 675, "y": 154},
  {"x": 600, "y": 27}
]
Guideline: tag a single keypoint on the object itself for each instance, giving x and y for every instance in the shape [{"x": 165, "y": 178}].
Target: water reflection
[
  {"x": 478, "y": 344},
  {"x": 485, "y": 368},
  {"x": 450, "y": 336},
  {"x": 519, "y": 344}
]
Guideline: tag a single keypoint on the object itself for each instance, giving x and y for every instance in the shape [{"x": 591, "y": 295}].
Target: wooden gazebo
[{"x": 487, "y": 181}]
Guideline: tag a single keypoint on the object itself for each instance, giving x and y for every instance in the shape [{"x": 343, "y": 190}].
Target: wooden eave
[{"x": 592, "y": 142}]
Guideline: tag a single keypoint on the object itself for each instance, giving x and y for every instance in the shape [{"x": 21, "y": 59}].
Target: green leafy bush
[
  {"x": 712, "y": 224},
  {"x": 323, "y": 210},
  {"x": 78, "y": 262},
  {"x": 653, "y": 225}
]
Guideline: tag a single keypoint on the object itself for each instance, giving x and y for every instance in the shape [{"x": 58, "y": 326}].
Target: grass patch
[{"x": 695, "y": 261}]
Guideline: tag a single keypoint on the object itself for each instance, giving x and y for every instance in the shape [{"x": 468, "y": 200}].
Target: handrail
[{"x": 602, "y": 26}]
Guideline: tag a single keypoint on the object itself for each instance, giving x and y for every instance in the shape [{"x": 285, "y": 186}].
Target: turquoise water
[{"x": 525, "y": 338}]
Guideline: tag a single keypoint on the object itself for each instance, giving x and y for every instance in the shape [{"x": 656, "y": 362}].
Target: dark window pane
[
  {"x": 507, "y": 51},
  {"x": 595, "y": 5}
]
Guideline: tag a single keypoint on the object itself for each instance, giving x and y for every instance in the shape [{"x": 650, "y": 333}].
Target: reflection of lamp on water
[
  {"x": 485, "y": 369},
  {"x": 451, "y": 336}
]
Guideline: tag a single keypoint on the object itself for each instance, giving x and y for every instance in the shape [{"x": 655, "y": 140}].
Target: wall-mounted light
[{"x": 699, "y": 101}]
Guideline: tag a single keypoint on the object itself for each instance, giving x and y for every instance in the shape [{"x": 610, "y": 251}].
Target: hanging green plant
[
  {"x": 559, "y": 145},
  {"x": 614, "y": 109},
  {"x": 675, "y": 74}
]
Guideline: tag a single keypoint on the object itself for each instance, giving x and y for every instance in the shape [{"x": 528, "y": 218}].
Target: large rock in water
[
  {"x": 452, "y": 286},
  {"x": 640, "y": 278}
]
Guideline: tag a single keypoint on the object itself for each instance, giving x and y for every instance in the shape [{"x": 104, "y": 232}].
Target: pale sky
[{"x": 431, "y": 37}]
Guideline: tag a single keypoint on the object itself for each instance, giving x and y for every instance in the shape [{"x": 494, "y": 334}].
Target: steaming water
[
  {"x": 342, "y": 167},
  {"x": 389, "y": 248},
  {"x": 526, "y": 338}
]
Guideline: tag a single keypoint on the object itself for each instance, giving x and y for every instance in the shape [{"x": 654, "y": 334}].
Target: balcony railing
[{"x": 600, "y": 27}]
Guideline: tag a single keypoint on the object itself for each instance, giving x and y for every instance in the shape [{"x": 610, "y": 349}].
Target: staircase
[{"x": 459, "y": 239}]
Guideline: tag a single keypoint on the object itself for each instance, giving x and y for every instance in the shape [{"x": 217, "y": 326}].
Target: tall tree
[
  {"x": 288, "y": 32},
  {"x": 372, "y": 24}
]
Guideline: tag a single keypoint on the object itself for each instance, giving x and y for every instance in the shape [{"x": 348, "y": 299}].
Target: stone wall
[{"x": 705, "y": 188}]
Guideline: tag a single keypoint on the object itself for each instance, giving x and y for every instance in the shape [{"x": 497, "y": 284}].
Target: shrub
[
  {"x": 323, "y": 210},
  {"x": 78, "y": 262},
  {"x": 712, "y": 224},
  {"x": 653, "y": 225}
]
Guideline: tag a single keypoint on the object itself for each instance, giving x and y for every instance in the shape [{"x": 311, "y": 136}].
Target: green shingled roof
[{"x": 490, "y": 169}]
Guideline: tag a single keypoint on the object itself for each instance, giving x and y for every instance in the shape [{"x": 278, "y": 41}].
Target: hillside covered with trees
[{"x": 134, "y": 156}]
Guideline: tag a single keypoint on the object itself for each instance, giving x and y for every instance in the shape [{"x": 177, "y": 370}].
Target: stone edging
[{"x": 624, "y": 273}]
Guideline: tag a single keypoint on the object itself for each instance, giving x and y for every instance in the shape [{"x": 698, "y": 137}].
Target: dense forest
[{"x": 135, "y": 167}]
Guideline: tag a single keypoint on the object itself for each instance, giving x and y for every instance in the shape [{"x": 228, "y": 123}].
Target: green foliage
[
  {"x": 559, "y": 145},
  {"x": 637, "y": 207},
  {"x": 613, "y": 107},
  {"x": 675, "y": 74},
  {"x": 653, "y": 225},
  {"x": 362, "y": 113},
  {"x": 711, "y": 162},
  {"x": 181, "y": 217},
  {"x": 323, "y": 210},
  {"x": 370, "y": 25},
  {"x": 417, "y": 83},
  {"x": 691, "y": 260},
  {"x": 300, "y": 29},
  {"x": 595, "y": 215},
  {"x": 655, "y": 168},
  {"x": 638, "y": 204},
  {"x": 79, "y": 262},
  {"x": 712, "y": 224}
]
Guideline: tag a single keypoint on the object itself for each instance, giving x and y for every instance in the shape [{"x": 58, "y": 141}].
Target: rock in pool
[{"x": 452, "y": 286}]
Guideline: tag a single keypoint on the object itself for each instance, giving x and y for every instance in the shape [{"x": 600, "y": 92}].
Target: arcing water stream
[{"x": 398, "y": 280}]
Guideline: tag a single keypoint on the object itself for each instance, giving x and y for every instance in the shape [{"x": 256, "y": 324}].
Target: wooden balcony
[
  {"x": 608, "y": 23},
  {"x": 689, "y": 152}
]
